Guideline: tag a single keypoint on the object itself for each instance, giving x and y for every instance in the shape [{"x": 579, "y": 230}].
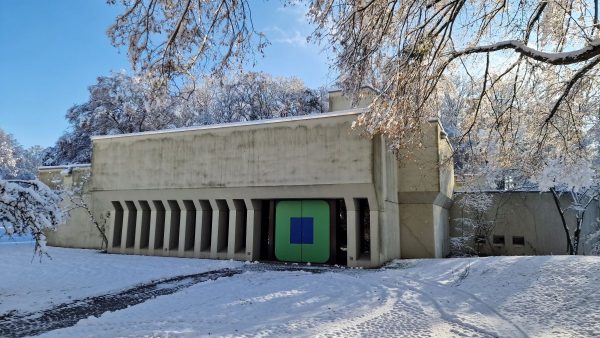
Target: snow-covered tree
[
  {"x": 17, "y": 162},
  {"x": 120, "y": 104},
  {"x": 117, "y": 104},
  {"x": 27, "y": 206},
  {"x": 548, "y": 52}
]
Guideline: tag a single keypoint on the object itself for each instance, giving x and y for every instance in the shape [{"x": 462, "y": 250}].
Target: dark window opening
[
  {"x": 206, "y": 235},
  {"x": 223, "y": 229},
  {"x": 145, "y": 231},
  {"x": 131, "y": 221},
  {"x": 241, "y": 215},
  {"x": 174, "y": 226},
  {"x": 118, "y": 225},
  {"x": 190, "y": 225},
  {"x": 267, "y": 246},
  {"x": 364, "y": 228},
  {"x": 159, "y": 231},
  {"x": 341, "y": 233},
  {"x": 518, "y": 240},
  {"x": 498, "y": 239}
]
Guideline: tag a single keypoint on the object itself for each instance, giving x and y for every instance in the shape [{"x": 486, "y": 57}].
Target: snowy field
[{"x": 548, "y": 296}]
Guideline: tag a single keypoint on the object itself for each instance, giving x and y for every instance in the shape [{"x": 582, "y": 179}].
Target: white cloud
[{"x": 294, "y": 38}]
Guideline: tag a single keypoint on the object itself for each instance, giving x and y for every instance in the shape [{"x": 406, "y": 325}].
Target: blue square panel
[
  {"x": 296, "y": 230},
  {"x": 301, "y": 230},
  {"x": 307, "y": 230}
]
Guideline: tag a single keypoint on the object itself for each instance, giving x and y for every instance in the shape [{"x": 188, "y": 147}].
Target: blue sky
[{"x": 53, "y": 50}]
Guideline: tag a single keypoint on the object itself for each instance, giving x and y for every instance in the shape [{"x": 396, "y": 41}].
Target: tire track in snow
[
  {"x": 453, "y": 318},
  {"x": 14, "y": 324}
]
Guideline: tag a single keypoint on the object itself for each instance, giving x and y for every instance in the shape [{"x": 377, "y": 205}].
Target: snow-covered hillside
[{"x": 497, "y": 296}]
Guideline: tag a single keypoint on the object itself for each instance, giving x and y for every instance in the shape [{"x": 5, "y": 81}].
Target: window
[
  {"x": 498, "y": 240},
  {"x": 518, "y": 240}
]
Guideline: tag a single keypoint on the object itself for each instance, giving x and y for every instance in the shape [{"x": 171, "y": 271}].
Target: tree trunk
[{"x": 570, "y": 249}]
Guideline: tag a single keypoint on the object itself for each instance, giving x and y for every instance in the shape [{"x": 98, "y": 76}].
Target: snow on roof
[
  {"x": 354, "y": 111},
  {"x": 67, "y": 166}
]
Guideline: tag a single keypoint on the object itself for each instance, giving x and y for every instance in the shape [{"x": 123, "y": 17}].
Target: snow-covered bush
[
  {"x": 593, "y": 239},
  {"x": 29, "y": 207},
  {"x": 473, "y": 229}
]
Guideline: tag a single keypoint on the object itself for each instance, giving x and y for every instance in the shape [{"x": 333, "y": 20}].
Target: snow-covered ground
[{"x": 547, "y": 296}]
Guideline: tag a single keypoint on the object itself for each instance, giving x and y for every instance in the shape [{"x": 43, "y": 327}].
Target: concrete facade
[
  {"x": 209, "y": 192},
  {"x": 78, "y": 232}
]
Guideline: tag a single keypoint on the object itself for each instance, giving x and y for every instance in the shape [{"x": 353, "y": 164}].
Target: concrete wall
[
  {"x": 295, "y": 152},
  {"x": 425, "y": 185},
  {"x": 78, "y": 232},
  {"x": 338, "y": 102},
  {"x": 531, "y": 215}
]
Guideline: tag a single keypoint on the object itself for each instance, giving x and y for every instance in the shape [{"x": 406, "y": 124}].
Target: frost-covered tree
[
  {"x": 16, "y": 162},
  {"x": 546, "y": 52},
  {"x": 120, "y": 104},
  {"x": 117, "y": 104},
  {"x": 581, "y": 187},
  {"x": 27, "y": 206},
  {"x": 566, "y": 166}
]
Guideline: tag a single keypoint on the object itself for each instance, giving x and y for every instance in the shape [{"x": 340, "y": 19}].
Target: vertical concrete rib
[
  {"x": 253, "y": 229},
  {"x": 125, "y": 226},
  {"x": 138, "y": 227},
  {"x": 352, "y": 231},
  {"x": 198, "y": 225},
  {"x": 152, "y": 236},
  {"x": 182, "y": 228},
  {"x": 232, "y": 229},
  {"x": 374, "y": 233}
]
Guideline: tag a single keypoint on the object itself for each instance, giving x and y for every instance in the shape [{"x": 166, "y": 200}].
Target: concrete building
[
  {"x": 301, "y": 189},
  {"x": 525, "y": 223}
]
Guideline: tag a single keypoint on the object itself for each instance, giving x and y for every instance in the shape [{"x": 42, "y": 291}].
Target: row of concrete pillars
[
  {"x": 220, "y": 229},
  {"x": 184, "y": 228}
]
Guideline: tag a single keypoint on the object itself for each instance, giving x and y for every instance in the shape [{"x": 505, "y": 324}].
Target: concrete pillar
[
  {"x": 253, "y": 229},
  {"x": 232, "y": 229},
  {"x": 129, "y": 219},
  {"x": 374, "y": 233},
  {"x": 138, "y": 227},
  {"x": 352, "y": 231},
  {"x": 153, "y": 216}
]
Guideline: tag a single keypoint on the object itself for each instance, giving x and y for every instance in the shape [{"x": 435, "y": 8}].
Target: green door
[{"x": 302, "y": 231}]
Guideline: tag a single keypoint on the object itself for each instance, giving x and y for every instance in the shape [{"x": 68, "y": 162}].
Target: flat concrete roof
[{"x": 354, "y": 111}]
